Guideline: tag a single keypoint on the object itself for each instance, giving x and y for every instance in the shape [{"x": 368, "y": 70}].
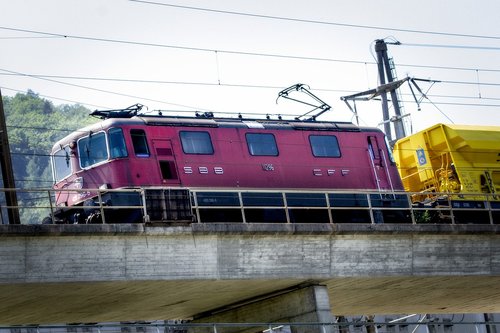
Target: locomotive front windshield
[
  {"x": 62, "y": 165},
  {"x": 92, "y": 149}
]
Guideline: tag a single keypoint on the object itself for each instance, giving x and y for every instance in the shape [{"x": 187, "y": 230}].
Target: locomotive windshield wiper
[
  {"x": 301, "y": 87},
  {"x": 67, "y": 155}
]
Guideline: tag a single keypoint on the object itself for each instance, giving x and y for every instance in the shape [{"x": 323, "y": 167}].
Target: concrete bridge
[{"x": 244, "y": 272}]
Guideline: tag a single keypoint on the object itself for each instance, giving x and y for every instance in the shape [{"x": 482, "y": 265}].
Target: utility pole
[
  {"x": 7, "y": 172},
  {"x": 383, "y": 64},
  {"x": 387, "y": 85}
]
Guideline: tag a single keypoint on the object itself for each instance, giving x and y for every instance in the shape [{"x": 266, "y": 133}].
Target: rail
[{"x": 195, "y": 205}]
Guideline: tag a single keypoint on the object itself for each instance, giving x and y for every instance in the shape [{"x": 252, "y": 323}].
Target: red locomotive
[{"x": 221, "y": 158}]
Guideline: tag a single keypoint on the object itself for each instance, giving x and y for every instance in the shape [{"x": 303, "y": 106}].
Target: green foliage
[{"x": 34, "y": 124}]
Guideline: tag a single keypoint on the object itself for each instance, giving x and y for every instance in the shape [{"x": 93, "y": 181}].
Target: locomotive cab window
[
  {"x": 196, "y": 143},
  {"x": 117, "y": 146},
  {"x": 324, "y": 145},
  {"x": 61, "y": 164},
  {"x": 139, "y": 142},
  {"x": 261, "y": 144},
  {"x": 92, "y": 149},
  {"x": 389, "y": 150}
]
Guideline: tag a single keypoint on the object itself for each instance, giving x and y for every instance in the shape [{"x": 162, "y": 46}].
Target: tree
[{"x": 34, "y": 124}]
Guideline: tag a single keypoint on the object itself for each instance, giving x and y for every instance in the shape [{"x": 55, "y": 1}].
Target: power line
[
  {"x": 187, "y": 48},
  {"x": 287, "y": 56},
  {"x": 315, "y": 21},
  {"x": 474, "y": 83},
  {"x": 235, "y": 114},
  {"x": 100, "y": 90},
  {"x": 274, "y": 55},
  {"x": 52, "y": 97},
  {"x": 449, "y": 68},
  {"x": 238, "y": 85},
  {"x": 448, "y": 46}
]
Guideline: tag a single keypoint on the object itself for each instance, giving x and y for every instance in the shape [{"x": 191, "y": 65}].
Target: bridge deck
[{"x": 103, "y": 273}]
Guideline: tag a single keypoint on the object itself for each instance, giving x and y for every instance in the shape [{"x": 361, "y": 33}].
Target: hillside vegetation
[{"x": 34, "y": 124}]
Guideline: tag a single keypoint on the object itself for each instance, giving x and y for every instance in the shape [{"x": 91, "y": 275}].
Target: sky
[{"x": 235, "y": 56}]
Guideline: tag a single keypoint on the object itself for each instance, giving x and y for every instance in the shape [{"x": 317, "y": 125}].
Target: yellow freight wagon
[{"x": 461, "y": 160}]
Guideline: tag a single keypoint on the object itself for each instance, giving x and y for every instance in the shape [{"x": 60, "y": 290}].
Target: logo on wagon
[{"x": 421, "y": 156}]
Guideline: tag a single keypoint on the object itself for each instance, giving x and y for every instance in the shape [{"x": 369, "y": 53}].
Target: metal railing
[{"x": 252, "y": 206}]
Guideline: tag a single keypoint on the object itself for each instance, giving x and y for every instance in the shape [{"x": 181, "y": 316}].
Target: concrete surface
[{"x": 104, "y": 273}]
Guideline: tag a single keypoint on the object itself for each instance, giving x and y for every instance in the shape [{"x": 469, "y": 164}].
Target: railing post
[
  {"x": 51, "y": 208},
  {"x": 286, "y": 207},
  {"x": 196, "y": 208},
  {"x": 145, "y": 216},
  {"x": 101, "y": 206},
  {"x": 452, "y": 216},
  {"x": 488, "y": 206},
  {"x": 329, "y": 208},
  {"x": 370, "y": 208},
  {"x": 412, "y": 212},
  {"x": 242, "y": 210}
]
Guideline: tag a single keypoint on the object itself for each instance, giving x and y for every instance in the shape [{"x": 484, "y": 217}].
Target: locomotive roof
[{"x": 213, "y": 122}]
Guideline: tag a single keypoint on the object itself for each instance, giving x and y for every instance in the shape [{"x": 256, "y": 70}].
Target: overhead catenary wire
[
  {"x": 49, "y": 77},
  {"x": 329, "y": 23},
  {"x": 116, "y": 79},
  {"x": 242, "y": 53},
  {"x": 44, "y": 76},
  {"x": 53, "y": 97},
  {"x": 101, "y": 90},
  {"x": 450, "y": 46},
  {"x": 236, "y": 52}
]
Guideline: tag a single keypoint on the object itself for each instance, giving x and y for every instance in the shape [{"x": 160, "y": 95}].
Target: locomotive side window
[
  {"x": 262, "y": 144},
  {"x": 324, "y": 145},
  {"x": 196, "y": 143},
  {"x": 92, "y": 149},
  {"x": 139, "y": 142},
  {"x": 117, "y": 143},
  {"x": 62, "y": 165}
]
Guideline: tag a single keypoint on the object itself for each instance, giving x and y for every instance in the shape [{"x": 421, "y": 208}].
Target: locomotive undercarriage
[
  {"x": 162, "y": 205},
  {"x": 175, "y": 205}
]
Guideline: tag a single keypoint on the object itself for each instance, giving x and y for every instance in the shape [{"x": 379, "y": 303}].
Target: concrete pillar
[{"x": 306, "y": 305}]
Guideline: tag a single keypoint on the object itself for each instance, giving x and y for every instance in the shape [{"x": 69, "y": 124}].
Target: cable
[
  {"x": 187, "y": 48},
  {"x": 55, "y": 98},
  {"x": 44, "y": 76},
  {"x": 250, "y": 53},
  {"x": 101, "y": 90},
  {"x": 472, "y": 83},
  {"x": 490, "y": 48},
  {"x": 42, "y": 128},
  {"x": 450, "y": 68},
  {"x": 314, "y": 21}
]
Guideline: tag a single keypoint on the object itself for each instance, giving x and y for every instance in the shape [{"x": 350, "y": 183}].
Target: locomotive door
[
  {"x": 378, "y": 162},
  {"x": 166, "y": 162}
]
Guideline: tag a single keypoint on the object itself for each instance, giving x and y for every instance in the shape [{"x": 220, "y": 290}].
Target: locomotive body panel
[{"x": 190, "y": 152}]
